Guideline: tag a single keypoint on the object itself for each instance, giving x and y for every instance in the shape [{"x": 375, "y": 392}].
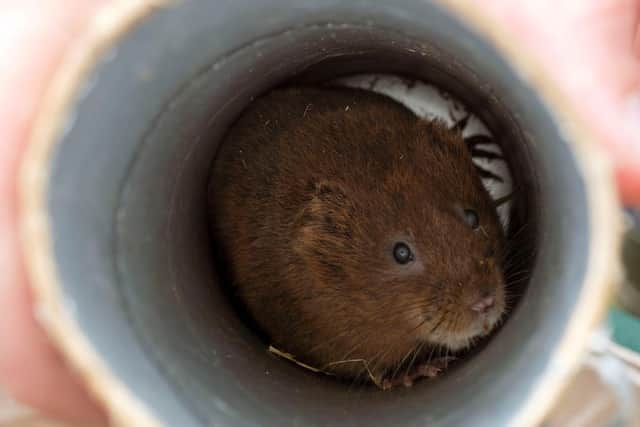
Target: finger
[
  {"x": 588, "y": 49},
  {"x": 33, "y": 37},
  {"x": 628, "y": 176}
]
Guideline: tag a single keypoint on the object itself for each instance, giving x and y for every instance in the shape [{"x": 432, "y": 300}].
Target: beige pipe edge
[{"x": 124, "y": 409}]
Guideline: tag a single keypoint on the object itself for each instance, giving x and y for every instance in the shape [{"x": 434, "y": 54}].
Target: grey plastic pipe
[{"x": 115, "y": 230}]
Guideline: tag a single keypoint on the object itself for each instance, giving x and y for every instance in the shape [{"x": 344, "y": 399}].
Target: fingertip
[
  {"x": 628, "y": 178},
  {"x": 627, "y": 150},
  {"x": 627, "y": 168}
]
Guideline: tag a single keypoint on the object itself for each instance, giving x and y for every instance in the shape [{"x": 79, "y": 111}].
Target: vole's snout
[{"x": 484, "y": 304}]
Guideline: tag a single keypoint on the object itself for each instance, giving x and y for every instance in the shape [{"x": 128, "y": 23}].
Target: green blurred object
[{"x": 625, "y": 328}]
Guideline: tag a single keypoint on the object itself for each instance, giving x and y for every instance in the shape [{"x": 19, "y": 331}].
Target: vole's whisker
[
  {"x": 399, "y": 364},
  {"x": 518, "y": 273},
  {"x": 502, "y": 200},
  {"x": 475, "y": 140},
  {"x": 487, "y": 174},
  {"x": 415, "y": 354},
  {"x": 485, "y": 154},
  {"x": 461, "y": 124}
]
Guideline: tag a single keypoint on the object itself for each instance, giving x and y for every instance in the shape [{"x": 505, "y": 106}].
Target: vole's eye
[
  {"x": 471, "y": 218},
  {"x": 402, "y": 253}
]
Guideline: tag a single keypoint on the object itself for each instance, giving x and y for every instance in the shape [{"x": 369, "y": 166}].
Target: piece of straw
[{"x": 290, "y": 357}]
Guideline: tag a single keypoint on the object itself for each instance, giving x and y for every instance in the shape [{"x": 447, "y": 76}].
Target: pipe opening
[{"x": 128, "y": 206}]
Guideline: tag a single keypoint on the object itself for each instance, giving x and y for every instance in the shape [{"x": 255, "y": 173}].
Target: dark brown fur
[{"x": 310, "y": 190}]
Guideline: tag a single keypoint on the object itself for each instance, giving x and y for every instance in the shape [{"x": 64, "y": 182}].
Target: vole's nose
[{"x": 484, "y": 304}]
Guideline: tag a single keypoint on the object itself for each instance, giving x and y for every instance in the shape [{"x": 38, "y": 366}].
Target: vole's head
[{"x": 409, "y": 245}]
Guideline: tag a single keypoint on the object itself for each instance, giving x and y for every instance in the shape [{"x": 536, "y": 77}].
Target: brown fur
[{"x": 311, "y": 189}]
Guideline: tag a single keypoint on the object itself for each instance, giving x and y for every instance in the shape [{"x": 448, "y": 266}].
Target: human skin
[{"x": 590, "y": 48}]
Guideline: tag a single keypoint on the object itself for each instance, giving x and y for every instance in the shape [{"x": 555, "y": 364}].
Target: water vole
[{"x": 358, "y": 236}]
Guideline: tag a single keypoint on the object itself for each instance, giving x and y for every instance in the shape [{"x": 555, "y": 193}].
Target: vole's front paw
[{"x": 430, "y": 369}]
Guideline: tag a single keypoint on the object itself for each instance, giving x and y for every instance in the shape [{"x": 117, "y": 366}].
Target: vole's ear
[{"x": 325, "y": 225}]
